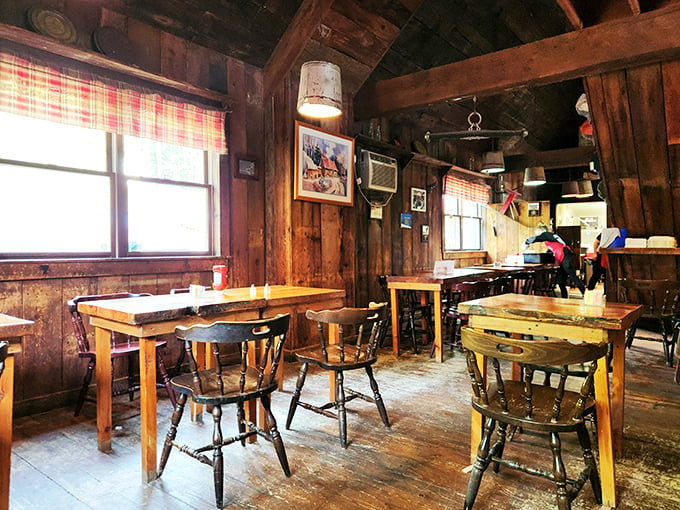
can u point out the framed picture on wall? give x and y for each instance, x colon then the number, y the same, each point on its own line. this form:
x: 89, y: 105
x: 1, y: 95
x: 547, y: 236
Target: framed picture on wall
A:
x: 246, y: 168
x: 418, y: 200
x: 324, y: 166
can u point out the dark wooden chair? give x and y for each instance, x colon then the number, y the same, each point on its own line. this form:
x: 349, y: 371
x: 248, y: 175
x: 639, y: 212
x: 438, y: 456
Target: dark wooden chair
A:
x: 253, y: 377
x: 4, y: 352
x: 521, y: 282
x: 545, y: 281
x: 661, y: 301
x: 357, y: 348
x: 459, y: 292
x: 122, y: 346
x: 531, y: 407
x: 412, y: 313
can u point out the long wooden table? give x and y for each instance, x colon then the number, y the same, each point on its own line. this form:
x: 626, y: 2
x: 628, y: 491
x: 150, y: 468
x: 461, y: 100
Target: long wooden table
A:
x: 568, y: 318
x: 426, y: 282
x: 11, y: 329
x: 147, y: 317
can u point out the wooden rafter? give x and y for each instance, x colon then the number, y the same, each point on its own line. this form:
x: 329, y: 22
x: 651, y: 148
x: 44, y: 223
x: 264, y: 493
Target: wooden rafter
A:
x: 572, y: 15
x: 291, y: 45
x: 647, y: 38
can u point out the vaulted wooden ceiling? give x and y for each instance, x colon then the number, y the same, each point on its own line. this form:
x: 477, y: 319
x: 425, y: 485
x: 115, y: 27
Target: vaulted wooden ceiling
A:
x: 416, y: 60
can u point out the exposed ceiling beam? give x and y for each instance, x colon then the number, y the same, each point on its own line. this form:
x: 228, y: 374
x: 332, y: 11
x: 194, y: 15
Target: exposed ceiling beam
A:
x: 561, y: 158
x: 649, y: 37
x: 570, y: 12
x: 307, y: 20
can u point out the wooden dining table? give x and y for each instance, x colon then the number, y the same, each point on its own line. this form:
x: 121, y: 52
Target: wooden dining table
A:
x: 424, y: 283
x: 148, y: 316
x: 568, y: 318
x: 12, y: 329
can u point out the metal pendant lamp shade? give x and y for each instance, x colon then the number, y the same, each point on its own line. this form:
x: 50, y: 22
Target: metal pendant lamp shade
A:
x: 570, y: 189
x: 492, y: 162
x: 585, y: 188
x: 320, y: 93
x: 534, y: 176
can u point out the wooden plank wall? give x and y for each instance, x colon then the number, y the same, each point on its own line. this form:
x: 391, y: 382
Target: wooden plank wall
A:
x: 48, y: 372
x: 634, y: 113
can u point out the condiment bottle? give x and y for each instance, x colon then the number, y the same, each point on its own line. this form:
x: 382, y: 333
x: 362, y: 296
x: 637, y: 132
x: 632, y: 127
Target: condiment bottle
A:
x: 219, y: 277
x: 253, y: 291
x: 267, y: 291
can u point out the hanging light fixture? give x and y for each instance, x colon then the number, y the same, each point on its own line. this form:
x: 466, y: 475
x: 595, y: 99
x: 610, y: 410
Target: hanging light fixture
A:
x: 585, y: 188
x: 570, y: 189
x: 492, y: 162
x: 320, y: 93
x: 534, y: 176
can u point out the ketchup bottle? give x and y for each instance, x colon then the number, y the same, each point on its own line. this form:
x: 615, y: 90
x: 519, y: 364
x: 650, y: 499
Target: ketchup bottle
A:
x: 219, y: 277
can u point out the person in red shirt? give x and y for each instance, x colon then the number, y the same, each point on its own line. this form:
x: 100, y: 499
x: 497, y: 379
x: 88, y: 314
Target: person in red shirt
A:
x: 563, y: 256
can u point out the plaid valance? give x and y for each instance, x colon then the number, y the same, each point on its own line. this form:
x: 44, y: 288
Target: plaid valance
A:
x: 460, y: 188
x: 81, y: 99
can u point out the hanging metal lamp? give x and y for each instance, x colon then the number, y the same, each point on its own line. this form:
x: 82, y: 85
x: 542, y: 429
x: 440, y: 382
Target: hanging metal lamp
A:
x: 320, y: 92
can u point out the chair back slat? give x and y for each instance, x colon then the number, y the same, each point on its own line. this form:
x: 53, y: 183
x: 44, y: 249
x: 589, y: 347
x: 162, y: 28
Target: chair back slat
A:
x: 267, y: 336
x: 659, y: 297
x: 357, y: 327
x: 79, y: 328
x: 502, y: 350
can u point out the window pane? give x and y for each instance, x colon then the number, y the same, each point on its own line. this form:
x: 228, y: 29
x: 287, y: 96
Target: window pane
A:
x: 450, y: 204
x: 167, y: 218
x: 469, y: 208
x: 48, y: 211
x: 451, y: 233
x: 49, y: 143
x: 147, y: 158
x: 471, y: 234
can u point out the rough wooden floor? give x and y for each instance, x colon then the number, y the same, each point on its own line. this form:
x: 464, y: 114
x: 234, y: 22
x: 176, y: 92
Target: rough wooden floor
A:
x: 416, y: 464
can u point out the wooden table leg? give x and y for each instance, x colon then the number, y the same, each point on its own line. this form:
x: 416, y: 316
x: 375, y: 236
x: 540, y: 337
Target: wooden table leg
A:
x: 618, y: 384
x: 438, y: 336
x: 103, y: 374
x: 148, y: 407
x: 394, y: 303
x: 6, y: 403
x: 604, y: 434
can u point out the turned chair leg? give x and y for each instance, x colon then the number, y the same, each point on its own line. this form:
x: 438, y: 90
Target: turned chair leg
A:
x: 377, y: 397
x: 86, y: 384
x: 559, y: 472
x: 218, y: 458
x: 481, y: 463
x: 276, y: 439
x: 340, y: 406
x: 166, y: 379
x: 172, y: 431
x: 296, y: 395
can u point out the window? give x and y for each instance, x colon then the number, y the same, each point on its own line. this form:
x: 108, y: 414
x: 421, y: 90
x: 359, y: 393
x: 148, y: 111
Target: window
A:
x: 463, y: 224
x: 67, y: 190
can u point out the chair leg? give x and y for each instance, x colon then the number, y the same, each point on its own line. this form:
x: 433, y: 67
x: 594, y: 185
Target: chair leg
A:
x: 559, y: 473
x: 86, y: 384
x: 240, y: 420
x: 130, y: 378
x: 500, y: 445
x: 296, y: 395
x: 172, y: 431
x: 165, y: 378
x: 481, y: 463
x: 589, y: 459
x: 377, y: 397
x: 340, y: 406
x: 630, y: 335
x: 276, y: 439
x: 218, y: 459
x: 412, y: 328
x: 667, y: 344
x: 180, y: 361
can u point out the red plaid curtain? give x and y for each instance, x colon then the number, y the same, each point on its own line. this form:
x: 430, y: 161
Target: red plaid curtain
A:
x: 73, y: 97
x: 464, y: 189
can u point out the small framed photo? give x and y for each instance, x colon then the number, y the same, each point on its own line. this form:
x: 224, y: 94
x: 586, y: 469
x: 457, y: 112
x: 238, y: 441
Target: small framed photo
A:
x: 246, y: 168
x: 324, y: 166
x: 418, y: 200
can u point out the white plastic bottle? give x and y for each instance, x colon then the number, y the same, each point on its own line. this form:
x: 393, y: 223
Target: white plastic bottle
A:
x: 253, y: 291
x: 267, y: 291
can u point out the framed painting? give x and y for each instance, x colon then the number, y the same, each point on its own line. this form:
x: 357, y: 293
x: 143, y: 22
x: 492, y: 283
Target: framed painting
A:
x: 418, y: 200
x: 246, y: 167
x: 324, y: 166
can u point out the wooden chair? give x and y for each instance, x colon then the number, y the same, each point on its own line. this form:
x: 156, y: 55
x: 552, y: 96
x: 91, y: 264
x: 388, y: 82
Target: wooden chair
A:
x: 122, y: 346
x: 545, y: 281
x: 661, y: 300
x: 260, y: 345
x: 521, y: 282
x: 531, y: 407
x: 459, y: 292
x: 356, y: 348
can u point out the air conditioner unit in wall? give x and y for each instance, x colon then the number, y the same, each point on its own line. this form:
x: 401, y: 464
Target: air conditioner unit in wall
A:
x: 378, y: 172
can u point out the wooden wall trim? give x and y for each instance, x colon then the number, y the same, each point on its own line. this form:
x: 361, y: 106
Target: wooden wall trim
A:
x: 72, y: 268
